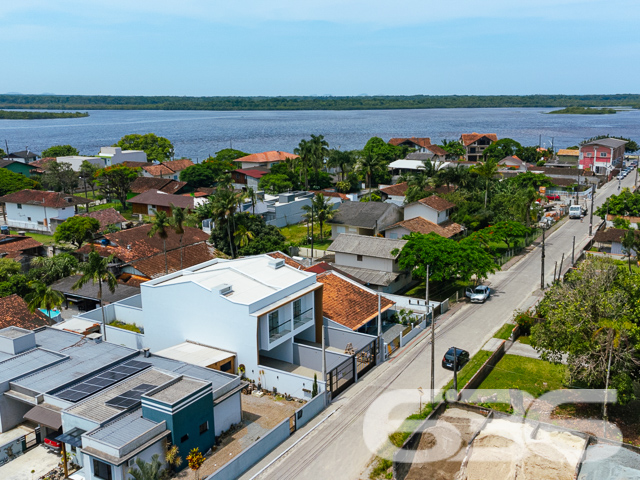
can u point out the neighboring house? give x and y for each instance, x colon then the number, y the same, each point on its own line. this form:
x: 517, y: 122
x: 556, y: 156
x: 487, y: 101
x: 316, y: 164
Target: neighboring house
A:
x: 370, y: 260
x: 116, y: 155
x: 566, y: 176
x: 364, y: 218
x: 423, y: 226
x: 39, y: 211
x: 39, y: 165
x: 567, y: 157
x: 248, y: 177
x: 109, y: 404
x: 264, y: 159
x: 433, y: 208
x: 350, y: 304
x: 87, y: 298
x: 152, y: 201
x: 106, y: 217
x: 421, y: 145
x: 323, y: 267
x: 476, y: 143
x: 513, y: 163
x: 287, y: 259
x: 285, y: 209
x: 396, y: 193
x: 24, y: 156
x: 14, y: 312
x: 76, y: 161
x: 610, y: 240
x: 18, y: 167
x: 404, y: 166
x: 138, y: 257
x: 20, y: 248
x: 169, y: 169
x: 165, y: 185
x: 602, y: 156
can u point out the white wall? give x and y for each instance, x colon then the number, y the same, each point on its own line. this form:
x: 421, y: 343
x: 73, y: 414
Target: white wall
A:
x: 227, y: 413
x: 372, y: 263
x: 396, y: 233
x: 29, y: 215
x: 419, y: 210
x: 76, y: 161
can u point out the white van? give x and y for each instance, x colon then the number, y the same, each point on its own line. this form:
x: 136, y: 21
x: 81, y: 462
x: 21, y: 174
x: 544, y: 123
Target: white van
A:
x: 575, y: 211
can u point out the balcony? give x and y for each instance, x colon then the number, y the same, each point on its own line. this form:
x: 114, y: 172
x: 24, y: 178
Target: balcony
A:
x: 280, y: 330
x: 303, y: 318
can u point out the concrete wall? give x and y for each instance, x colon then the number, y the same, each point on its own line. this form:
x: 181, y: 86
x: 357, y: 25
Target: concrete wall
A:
x: 286, y: 382
x: 372, y: 263
x: 130, y: 339
x: 29, y: 215
x: 10, y: 450
x: 396, y: 233
x: 311, y: 357
x: 228, y: 412
x: 339, y: 337
x: 11, y: 411
x: 419, y: 210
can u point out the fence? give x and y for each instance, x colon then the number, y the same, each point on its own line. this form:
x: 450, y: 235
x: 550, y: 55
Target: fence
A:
x: 485, y: 369
x: 517, y: 248
x: 266, y: 444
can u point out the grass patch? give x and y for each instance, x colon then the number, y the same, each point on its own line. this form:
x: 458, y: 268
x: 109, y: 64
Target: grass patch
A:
x: 45, y: 239
x: 505, y: 331
x: 298, y: 234
x: 469, y: 370
x: 526, y: 339
x: 438, y: 291
x: 132, y: 327
x: 380, y: 470
x: 625, y: 263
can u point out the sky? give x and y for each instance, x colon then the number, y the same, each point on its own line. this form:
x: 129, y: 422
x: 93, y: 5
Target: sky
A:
x: 328, y: 47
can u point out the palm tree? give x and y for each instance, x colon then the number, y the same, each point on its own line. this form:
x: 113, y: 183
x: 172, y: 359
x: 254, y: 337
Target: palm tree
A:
x: 159, y: 226
x: 629, y: 244
x: 243, y: 236
x: 305, y: 151
x: 253, y: 197
x: 224, y: 207
x: 173, y: 458
x: 44, y: 297
x: 146, y: 470
x: 177, y: 221
x: 323, y: 210
x: 344, y: 160
x: 487, y: 170
x: 56, y: 267
x: 320, y: 151
x: 370, y: 164
x: 96, y: 270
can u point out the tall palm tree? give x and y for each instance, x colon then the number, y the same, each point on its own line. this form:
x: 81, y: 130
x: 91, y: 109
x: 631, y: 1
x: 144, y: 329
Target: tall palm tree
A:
x: 242, y: 236
x: 56, y: 267
x: 160, y: 226
x: 177, y: 221
x: 369, y: 164
x: 224, y: 208
x: 323, y: 210
x: 344, y: 160
x: 487, y: 170
x: 320, y: 151
x: 253, y: 198
x: 96, y: 270
x: 44, y: 297
x: 305, y: 152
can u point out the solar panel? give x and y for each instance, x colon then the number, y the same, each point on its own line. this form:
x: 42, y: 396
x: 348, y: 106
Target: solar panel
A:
x: 131, y: 397
x: 104, y: 380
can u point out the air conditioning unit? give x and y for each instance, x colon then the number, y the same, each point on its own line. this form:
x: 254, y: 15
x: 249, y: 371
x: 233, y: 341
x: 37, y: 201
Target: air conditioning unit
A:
x: 223, y: 289
x: 276, y: 263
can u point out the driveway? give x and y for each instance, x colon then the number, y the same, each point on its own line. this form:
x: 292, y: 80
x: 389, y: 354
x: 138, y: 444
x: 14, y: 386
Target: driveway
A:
x: 336, y: 449
x: 40, y: 459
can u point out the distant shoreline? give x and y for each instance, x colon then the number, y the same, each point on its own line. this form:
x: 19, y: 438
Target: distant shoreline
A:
x: 20, y: 115
x: 583, y: 111
x: 379, y: 102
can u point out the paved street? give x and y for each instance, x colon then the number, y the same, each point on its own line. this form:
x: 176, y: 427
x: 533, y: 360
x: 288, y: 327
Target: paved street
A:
x: 336, y: 449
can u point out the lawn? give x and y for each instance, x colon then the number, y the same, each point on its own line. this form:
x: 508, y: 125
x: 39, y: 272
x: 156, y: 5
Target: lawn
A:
x: 505, y: 331
x: 298, y: 234
x: 44, y: 239
x: 470, y: 369
x: 526, y: 339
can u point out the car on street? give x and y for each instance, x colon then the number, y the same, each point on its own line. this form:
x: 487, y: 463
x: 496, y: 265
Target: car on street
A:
x: 553, y: 197
x: 478, y: 294
x: 460, y: 356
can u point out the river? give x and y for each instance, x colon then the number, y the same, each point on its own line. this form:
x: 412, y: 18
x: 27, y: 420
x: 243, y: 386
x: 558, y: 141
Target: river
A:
x: 198, y: 134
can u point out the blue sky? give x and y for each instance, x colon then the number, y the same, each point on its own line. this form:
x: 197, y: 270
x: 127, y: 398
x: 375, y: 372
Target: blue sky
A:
x: 309, y: 47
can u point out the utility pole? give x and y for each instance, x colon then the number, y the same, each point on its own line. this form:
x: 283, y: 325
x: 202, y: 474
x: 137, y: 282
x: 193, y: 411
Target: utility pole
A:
x: 573, y: 250
x: 561, y: 262
x: 324, y: 362
x: 380, y: 352
x: 433, y: 341
x: 542, y: 261
x: 311, y: 232
x: 555, y: 269
x: 593, y: 194
x: 455, y: 371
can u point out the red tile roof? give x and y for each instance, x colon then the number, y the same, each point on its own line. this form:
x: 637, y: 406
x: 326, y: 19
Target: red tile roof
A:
x: 397, y: 190
x: 437, y: 203
x: 42, y: 162
x: 419, y: 141
x: 323, y: 267
x: 14, y: 246
x: 437, y: 150
x: 469, y: 138
x: 106, y: 217
x: 266, y: 157
x: 343, y: 196
x: 253, y: 172
x: 424, y: 226
x: 155, y: 197
x: 347, y: 303
x: 287, y: 259
x: 14, y: 312
x: 154, y: 266
x: 166, y: 185
x: 43, y: 199
x: 168, y: 168
x: 131, y: 164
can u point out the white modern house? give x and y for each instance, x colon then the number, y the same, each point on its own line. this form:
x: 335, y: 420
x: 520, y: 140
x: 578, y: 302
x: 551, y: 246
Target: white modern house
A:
x: 115, y: 155
x: 434, y: 208
x: 39, y: 211
x: 286, y: 208
x: 76, y: 161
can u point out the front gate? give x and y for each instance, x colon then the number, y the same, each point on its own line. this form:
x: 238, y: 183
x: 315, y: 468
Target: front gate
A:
x: 341, y: 377
x: 366, y: 358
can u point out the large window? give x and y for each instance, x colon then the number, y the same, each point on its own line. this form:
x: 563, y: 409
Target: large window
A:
x: 101, y: 470
x: 273, y: 320
x: 297, y: 307
x: 204, y: 427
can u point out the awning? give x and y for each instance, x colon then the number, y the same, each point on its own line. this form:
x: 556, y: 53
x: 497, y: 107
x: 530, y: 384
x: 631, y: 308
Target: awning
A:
x: 72, y: 437
x: 45, y: 416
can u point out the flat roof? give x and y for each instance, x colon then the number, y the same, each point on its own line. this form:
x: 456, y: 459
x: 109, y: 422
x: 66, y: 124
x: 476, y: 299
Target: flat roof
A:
x: 14, y: 332
x: 195, y: 354
x: 124, y: 430
x: 178, y: 390
x: 25, y: 363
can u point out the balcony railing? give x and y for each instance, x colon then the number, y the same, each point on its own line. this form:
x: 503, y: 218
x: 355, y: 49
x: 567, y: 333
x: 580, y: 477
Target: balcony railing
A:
x: 279, y: 330
x: 302, y: 318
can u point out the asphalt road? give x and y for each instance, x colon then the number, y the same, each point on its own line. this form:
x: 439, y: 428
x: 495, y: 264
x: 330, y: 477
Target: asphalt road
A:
x: 336, y: 448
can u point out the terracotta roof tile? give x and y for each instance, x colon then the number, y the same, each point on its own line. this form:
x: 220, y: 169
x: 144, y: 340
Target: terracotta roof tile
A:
x: 43, y: 199
x: 178, y: 165
x: 154, y: 266
x: 14, y: 312
x: 155, y: 197
x: 131, y: 164
x: 419, y: 141
x: 266, y: 157
x: 323, y: 267
x: 469, y: 138
x: 424, y: 226
x: 343, y: 196
x: 42, y: 162
x: 158, y: 170
x: 287, y: 259
x: 166, y: 185
x: 349, y: 304
x: 256, y: 172
x: 106, y: 217
x: 566, y: 151
x: 17, y: 243
x: 612, y: 235
x: 397, y: 190
x: 437, y: 203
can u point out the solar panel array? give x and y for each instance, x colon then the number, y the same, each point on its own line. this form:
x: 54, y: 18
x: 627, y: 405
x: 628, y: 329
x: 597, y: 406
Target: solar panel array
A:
x: 102, y: 381
x: 130, y: 398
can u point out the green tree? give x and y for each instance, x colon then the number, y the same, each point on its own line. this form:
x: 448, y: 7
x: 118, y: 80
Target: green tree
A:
x: 386, y: 152
x: 115, y: 181
x: 455, y: 150
x: 322, y: 211
x: 15, y: 285
x: 343, y: 160
x: 173, y: 458
x: 88, y: 173
x: 319, y: 154
x: 630, y: 244
x: 160, y: 226
x: 147, y: 470
x: 505, y: 147
x: 506, y: 231
x: 51, y: 269
x: 487, y: 170
x: 243, y: 236
x: 626, y: 203
x: 253, y: 198
x: 43, y: 297
x: 179, y: 218
x: 227, y: 155
x: 305, y: 151
x: 529, y: 154
x: 2, y: 153
x: 314, y: 387
x: 96, y: 270
x: 77, y: 230
x: 275, y: 183
x: 8, y: 268
x: 206, y: 174
x: 224, y: 207
x: 157, y: 148
x: 59, y: 151
x: 369, y: 164
x: 59, y: 177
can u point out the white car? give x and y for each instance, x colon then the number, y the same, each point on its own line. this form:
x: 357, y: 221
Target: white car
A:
x: 478, y: 294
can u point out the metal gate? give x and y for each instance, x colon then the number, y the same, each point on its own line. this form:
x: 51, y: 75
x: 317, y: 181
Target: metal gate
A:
x: 30, y: 439
x: 339, y: 378
x: 292, y: 424
x: 366, y: 358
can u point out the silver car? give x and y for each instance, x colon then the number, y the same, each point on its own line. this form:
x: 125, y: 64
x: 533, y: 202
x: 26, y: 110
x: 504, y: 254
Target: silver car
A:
x: 478, y: 294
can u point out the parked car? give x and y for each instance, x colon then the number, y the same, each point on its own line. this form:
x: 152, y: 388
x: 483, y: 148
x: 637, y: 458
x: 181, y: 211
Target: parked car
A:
x: 553, y: 197
x: 478, y: 294
x: 51, y: 443
x: 461, y: 358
